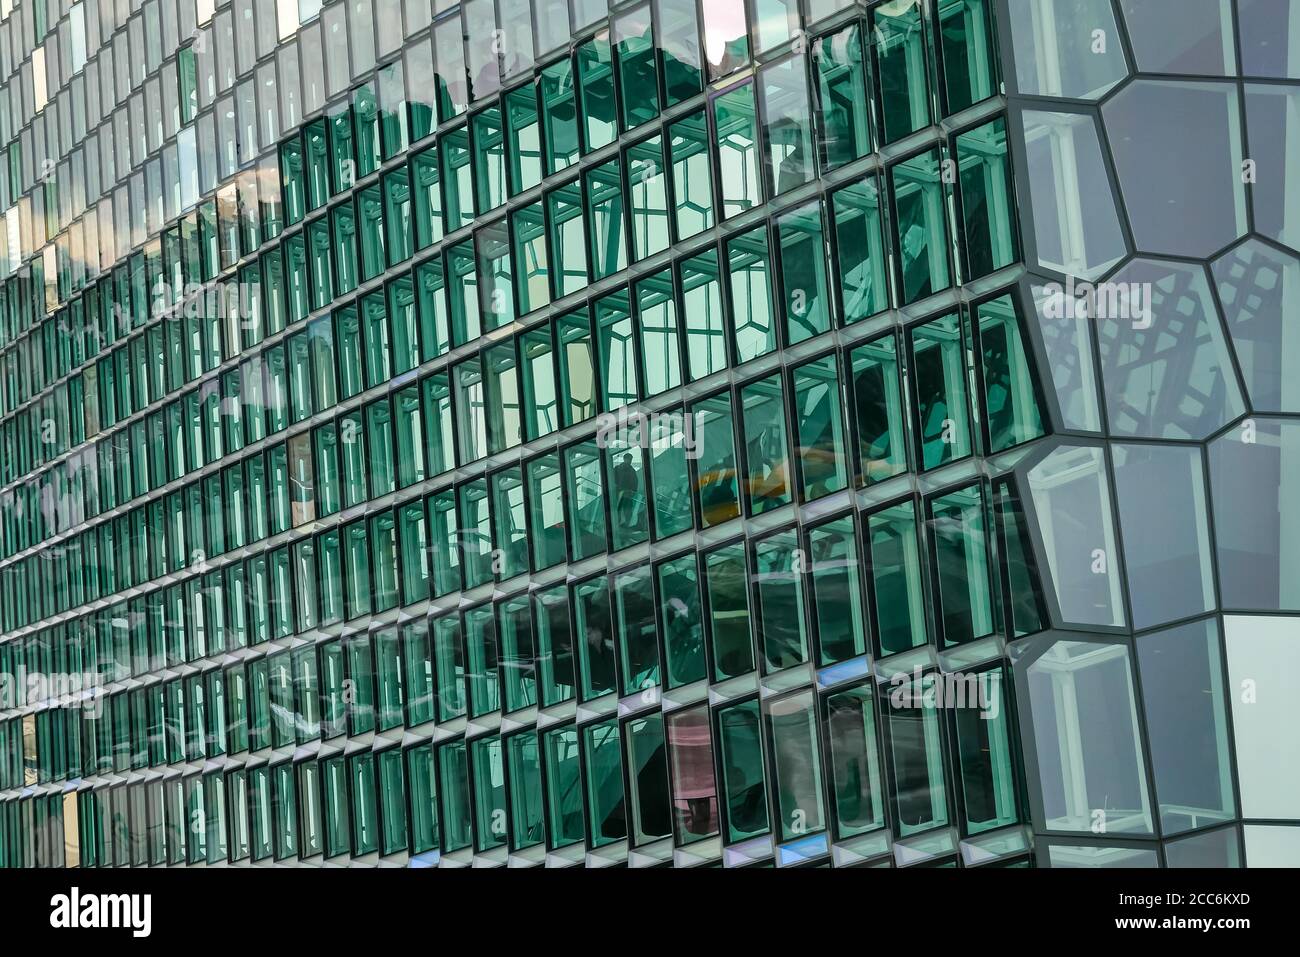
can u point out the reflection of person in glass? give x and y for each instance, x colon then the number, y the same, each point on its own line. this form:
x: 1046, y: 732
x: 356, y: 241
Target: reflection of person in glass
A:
x: 625, y: 489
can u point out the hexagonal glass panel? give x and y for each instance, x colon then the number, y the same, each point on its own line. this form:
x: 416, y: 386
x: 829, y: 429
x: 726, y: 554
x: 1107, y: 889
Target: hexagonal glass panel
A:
x: 1178, y: 158
x: 1258, y: 286
x: 1162, y: 510
x: 1164, y: 358
x: 1257, y: 515
x: 1181, y: 36
x: 1068, y: 48
x: 1269, y: 30
x: 1065, y: 165
x: 1077, y: 696
x: 1072, y: 503
x: 1067, y: 342
x: 1273, y: 122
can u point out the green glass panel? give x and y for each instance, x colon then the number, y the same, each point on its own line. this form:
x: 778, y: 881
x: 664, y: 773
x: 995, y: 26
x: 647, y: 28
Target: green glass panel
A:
x: 861, y: 257
x: 509, y: 528
x: 879, y: 415
x: 577, y: 366
x: 803, y: 273
x: 554, y: 645
x: 896, y: 578
x: 438, y: 446
x: 392, y: 791
x: 634, y: 624
x: 546, y: 525
x: 417, y: 669
x: 595, y: 71
x: 837, y: 590
x: 515, y: 626
x: 495, y: 275
x: 796, y: 759
x: 987, y: 199
x: 1006, y: 376
x: 624, y: 458
x: 457, y: 179
x: 617, y: 344
x: 603, y: 779
x: 767, y: 456
x: 716, y: 466
x: 752, y: 308
x: 343, y: 225
x: 939, y: 376
x: 585, y: 494
x: 680, y: 612
x: 670, y: 447
x: 489, y: 793
x: 370, y: 218
x: 426, y: 197
x: 679, y: 49
x: 592, y: 622
x: 706, y: 334
x: 524, y: 772
x: 916, y: 750
x: 489, y: 163
x: 957, y: 530
x: 688, y: 145
x: 983, y: 744
x: 855, y: 762
x: 744, y: 777
x: 475, y: 532
x: 523, y: 139
x: 899, y: 36
x: 787, y: 123
x: 970, y: 66
x: 647, y: 767
x: 819, y: 429
x: 424, y: 800
x: 648, y: 185
x: 564, y: 798
x: 737, y: 138
x: 920, y: 226
x: 453, y: 789
x: 780, y: 595
x: 568, y: 240
x: 449, y: 667
x: 844, y: 130
x: 531, y: 264
x: 607, y: 236
x: 559, y: 115
x: 397, y: 216
x: 431, y: 302
x: 657, y: 320
x: 638, y: 79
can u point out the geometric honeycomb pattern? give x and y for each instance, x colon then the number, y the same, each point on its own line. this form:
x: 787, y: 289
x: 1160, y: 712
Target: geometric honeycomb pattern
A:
x: 1161, y: 168
x: 650, y: 433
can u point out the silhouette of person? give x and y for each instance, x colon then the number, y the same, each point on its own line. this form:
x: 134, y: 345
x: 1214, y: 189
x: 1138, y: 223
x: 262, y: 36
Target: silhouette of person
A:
x: 625, y: 487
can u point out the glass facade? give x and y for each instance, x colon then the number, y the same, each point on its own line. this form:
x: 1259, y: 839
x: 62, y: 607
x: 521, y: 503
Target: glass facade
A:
x: 647, y: 432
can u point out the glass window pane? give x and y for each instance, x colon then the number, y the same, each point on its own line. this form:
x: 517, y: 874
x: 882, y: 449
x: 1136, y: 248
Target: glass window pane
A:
x: 737, y: 136
x: 879, y: 416
x: 796, y: 757
x: 779, y: 587
x: 744, y: 777
x: 855, y: 762
x: 1183, y: 700
x: 1077, y: 697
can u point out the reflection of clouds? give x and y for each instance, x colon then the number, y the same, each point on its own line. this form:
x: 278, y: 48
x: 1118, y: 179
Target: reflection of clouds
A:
x: 724, y: 24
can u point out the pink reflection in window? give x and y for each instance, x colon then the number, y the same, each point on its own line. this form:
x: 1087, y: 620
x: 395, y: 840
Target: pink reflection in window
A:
x: 695, y: 790
x: 726, y: 37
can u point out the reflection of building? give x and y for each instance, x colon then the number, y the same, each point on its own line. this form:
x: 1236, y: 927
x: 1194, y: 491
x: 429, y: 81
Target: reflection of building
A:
x: 310, y: 326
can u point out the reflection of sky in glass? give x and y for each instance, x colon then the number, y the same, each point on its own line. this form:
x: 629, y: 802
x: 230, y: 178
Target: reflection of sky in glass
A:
x: 724, y: 24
